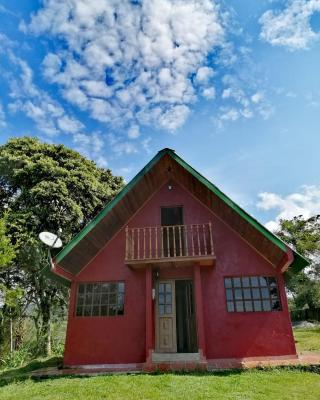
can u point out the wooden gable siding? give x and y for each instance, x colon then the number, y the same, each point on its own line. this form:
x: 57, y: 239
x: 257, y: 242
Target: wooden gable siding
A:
x: 165, y: 169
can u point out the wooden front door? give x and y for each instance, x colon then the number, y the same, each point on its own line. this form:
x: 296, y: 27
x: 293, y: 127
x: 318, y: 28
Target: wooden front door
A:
x: 166, y: 336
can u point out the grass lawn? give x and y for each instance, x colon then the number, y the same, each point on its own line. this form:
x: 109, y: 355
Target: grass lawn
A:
x: 272, y: 384
x: 307, y: 339
x: 281, y: 383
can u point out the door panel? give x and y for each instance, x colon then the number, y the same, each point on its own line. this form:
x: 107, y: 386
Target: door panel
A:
x: 173, y: 233
x: 185, y: 316
x: 166, y: 341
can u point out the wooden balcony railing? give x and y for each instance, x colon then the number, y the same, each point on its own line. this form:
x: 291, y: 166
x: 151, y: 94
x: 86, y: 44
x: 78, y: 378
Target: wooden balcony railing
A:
x: 168, y: 242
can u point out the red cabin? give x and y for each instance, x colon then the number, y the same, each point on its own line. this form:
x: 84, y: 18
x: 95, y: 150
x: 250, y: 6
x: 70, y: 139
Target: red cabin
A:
x: 173, y: 274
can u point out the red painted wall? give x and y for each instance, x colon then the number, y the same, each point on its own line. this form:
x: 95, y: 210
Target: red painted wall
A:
x: 121, y: 339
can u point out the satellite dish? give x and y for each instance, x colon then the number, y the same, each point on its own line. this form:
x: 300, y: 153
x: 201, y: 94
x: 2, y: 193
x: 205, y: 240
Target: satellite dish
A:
x: 50, y: 239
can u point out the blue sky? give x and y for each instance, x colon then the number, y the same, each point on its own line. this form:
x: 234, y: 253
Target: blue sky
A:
x: 232, y: 86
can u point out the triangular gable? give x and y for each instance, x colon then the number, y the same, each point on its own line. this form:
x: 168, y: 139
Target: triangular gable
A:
x: 164, y: 166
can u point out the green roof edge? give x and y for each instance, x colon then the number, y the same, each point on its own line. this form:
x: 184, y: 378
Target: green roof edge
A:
x: 299, y: 261
x: 47, y: 271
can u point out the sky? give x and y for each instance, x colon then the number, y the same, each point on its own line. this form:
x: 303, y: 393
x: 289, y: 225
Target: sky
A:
x: 232, y: 86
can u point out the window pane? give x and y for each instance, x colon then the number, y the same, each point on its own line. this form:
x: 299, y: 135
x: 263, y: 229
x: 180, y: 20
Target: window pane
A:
x: 112, y: 309
x: 96, y: 298
x: 97, y: 288
x: 248, y: 305
x: 266, y: 305
x: 276, y: 305
x: 81, y: 288
x: 104, y: 287
x: 121, y: 287
x: 80, y: 300
x: 230, y: 306
x: 256, y: 293
x: 247, y: 293
x: 236, y: 282
x: 112, y: 298
x: 168, y: 287
x: 79, y: 311
x: 265, y: 293
x: 113, y: 287
x: 239, y: 306
x: 95, y: 310
x: 245, y: 282
x: 229, y: 294
x: 272, y: 282
x: 88, y: 299
x: 228, y: 282
x: 168, y: 298
x: 89, y: 288
x: 254, y: 281
x: 161, y: 288
x: 87, y: 311
x: 168, y: 309
x: 238, y: 294
x: 263, y: 281
x: 161, y: 309
x: 257, y: 305
x: 104, y: 298
x: 120, y: 299
x: 274, y: 292
x: 104, y: 310
x: 120, y: 310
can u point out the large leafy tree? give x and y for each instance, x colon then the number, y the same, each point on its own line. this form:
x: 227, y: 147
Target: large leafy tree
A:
x: 47, y: 187
x: 304, y: 236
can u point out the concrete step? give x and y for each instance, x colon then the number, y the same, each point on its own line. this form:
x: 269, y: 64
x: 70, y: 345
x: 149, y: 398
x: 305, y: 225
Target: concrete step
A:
x: 175, y: 357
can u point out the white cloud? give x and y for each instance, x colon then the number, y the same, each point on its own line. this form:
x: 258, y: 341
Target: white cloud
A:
x: 120, y: 146
x: 305, y: 203
x: 204, y: 74
x: 92, y: 146
x: 2, y: 117
x: 290, y: 27
x: 134, y: 132
x: 131, y: 62
x: 69, y: 124
x: 48, y: 115
x: 241, y: 98
x: 209, y: 93
x: 257, y: 97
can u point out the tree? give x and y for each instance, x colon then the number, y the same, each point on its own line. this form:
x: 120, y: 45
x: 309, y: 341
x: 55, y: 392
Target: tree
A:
x: 7, y: 252
x: 304, y: 236
x: 47, y: 187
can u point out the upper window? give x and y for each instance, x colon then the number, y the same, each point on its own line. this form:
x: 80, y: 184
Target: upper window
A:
x: 100, y: 299
x: 252, y: 293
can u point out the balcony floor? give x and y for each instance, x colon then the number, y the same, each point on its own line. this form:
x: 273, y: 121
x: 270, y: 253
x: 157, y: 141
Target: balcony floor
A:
x: 186, y: 261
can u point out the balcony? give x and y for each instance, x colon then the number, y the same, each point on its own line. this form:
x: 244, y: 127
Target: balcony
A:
x: 180, y: 245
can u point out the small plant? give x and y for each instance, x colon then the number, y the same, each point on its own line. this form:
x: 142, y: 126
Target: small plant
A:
x: 17, y: 358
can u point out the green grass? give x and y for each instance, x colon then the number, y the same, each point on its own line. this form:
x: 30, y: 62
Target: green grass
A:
x: 283, y: 383
x: 273, y: 384
x: 307, y: 339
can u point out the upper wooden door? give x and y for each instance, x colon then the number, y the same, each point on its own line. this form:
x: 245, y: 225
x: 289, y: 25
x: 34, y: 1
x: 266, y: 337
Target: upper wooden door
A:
x: 173, y: 236
x: 166, y: 337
